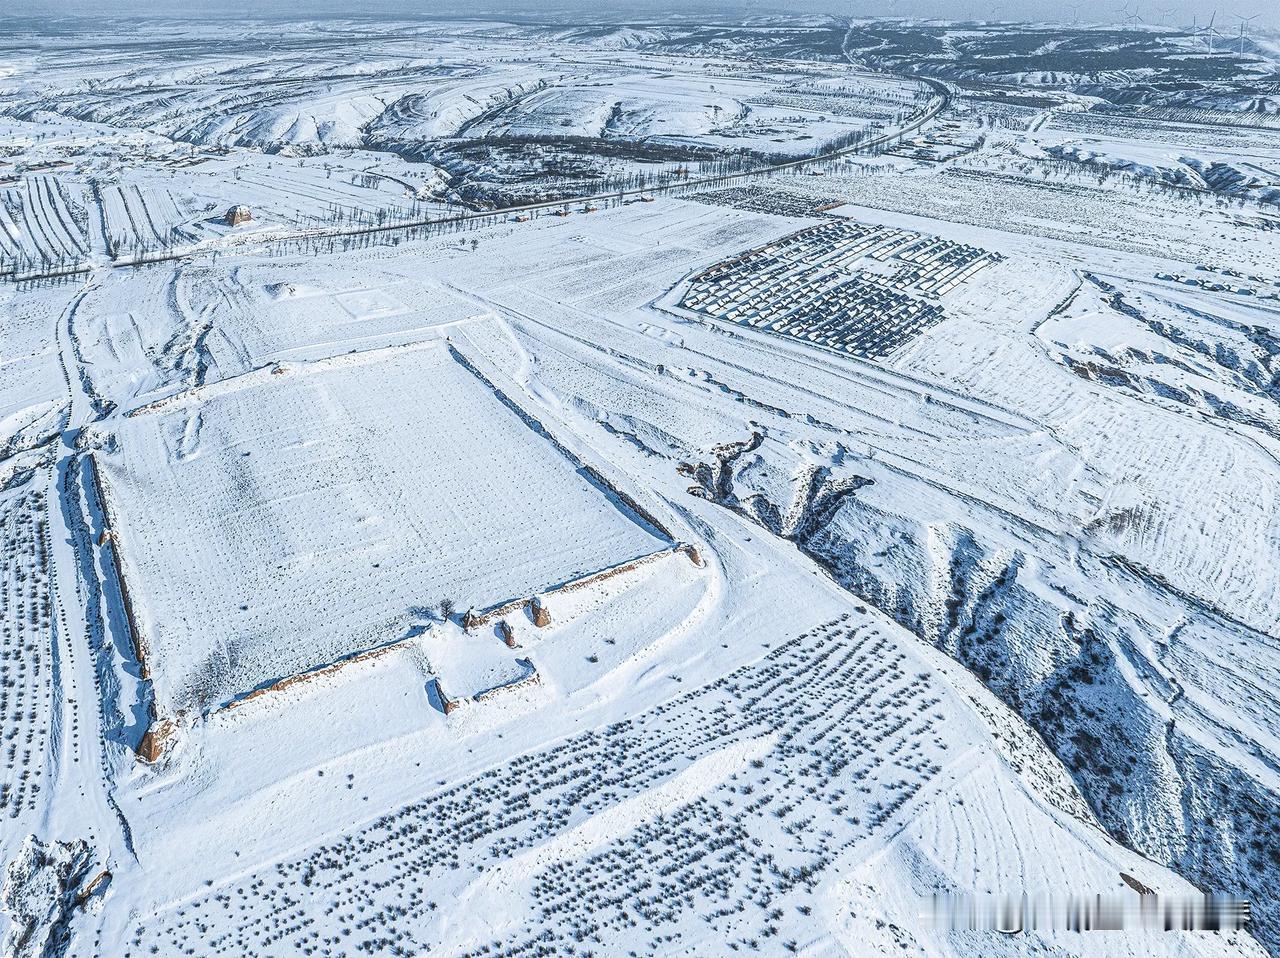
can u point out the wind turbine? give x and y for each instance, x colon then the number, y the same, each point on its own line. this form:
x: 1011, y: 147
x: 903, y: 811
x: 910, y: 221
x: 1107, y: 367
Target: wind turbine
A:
x: 1075, y: 13
x: 1123, y: 13
x: 1208, y: 33
x: 1244, y: 21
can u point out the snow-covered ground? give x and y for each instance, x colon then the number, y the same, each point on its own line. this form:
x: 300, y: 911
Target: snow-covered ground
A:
x: 814, y: 546
x: 332, y: 124
x: 442, y: 494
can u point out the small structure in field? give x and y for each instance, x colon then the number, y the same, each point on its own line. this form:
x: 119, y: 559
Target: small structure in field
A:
x: 471, y: 621
x: 530, y: 677
x: 153, y: 743
x: 541, y: 617
x: 99, y: 883
x: 507, y: 633
x: 239, y: 214
x: 447, y: 705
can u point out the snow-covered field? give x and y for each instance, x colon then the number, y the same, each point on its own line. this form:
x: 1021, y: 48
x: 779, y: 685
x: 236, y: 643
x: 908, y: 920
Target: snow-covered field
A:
x: 726, y: 569
x: 331, y: 126
x: 443, y: 493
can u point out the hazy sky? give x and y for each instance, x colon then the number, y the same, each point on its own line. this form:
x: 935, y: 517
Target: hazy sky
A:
x: 1171, y: 12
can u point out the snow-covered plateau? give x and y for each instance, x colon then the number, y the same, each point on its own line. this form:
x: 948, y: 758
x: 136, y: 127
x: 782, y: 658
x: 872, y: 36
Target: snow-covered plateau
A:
x: 473, y: 488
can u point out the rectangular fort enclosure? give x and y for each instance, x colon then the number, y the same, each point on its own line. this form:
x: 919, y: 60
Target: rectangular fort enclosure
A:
x: 332, y: 505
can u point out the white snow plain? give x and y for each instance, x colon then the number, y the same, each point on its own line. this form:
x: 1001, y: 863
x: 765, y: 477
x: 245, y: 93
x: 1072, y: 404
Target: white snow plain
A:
x: 842, y: 614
